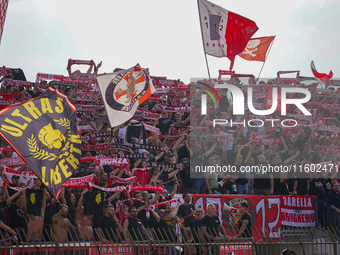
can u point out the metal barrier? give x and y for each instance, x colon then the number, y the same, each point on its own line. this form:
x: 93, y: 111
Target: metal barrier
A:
x: 165, y: 241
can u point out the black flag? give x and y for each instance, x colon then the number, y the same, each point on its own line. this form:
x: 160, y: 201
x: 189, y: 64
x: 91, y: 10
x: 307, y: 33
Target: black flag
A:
x: 93, y: 203
x: 43, y: 132
x: 34, y: 201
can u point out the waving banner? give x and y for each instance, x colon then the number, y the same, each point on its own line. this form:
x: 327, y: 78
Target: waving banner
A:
x: 322, y: 77
x: 44, y: 134
x: 257, y: 48
x: 16, y: 161
x: 123, y: 92
x: 9, y: 171
x: 224, y: 33
x: 265, y: 212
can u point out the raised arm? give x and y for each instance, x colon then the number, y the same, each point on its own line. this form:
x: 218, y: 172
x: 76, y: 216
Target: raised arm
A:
x: 252, y: 184
x: 159, y: 155
x: 15, y: 195
x: 43, y: 206
x: 80, y: 204
x: 138, y: 161
x: 187, y: 147
x: 155, y: 215
x: 6, y: 191
x: 62, y: 196
x: 69, y: 69
x: 300, y: 131
x: 115, y: 195
x: 186, y: 121
x: 288, y: 160
x: 238, y: 134
x: 174, y: 190
x: 248, y: 155
x: 173, y: 173
x: 96, y: 69
x: 226, y: 145
x: 155, y: 199
x: 178, y: 142
x: 285, y: 148
x: 211, y: 150
x: 89, y: 70
x: 206, y: 181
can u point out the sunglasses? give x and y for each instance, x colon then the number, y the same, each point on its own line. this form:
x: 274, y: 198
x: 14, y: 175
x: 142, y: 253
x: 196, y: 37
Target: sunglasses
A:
x: 199, y: 211
x: 133, y: 210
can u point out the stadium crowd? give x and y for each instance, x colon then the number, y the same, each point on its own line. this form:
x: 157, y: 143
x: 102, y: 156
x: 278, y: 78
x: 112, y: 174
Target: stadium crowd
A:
x: 157, y: 146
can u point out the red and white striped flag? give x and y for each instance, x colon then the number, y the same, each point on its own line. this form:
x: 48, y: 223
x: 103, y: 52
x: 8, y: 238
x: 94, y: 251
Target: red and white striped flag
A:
x: 3, y: 10
x: 225, y: 34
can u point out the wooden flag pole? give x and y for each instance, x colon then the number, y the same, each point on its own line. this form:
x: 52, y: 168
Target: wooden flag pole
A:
x: 205, y: 54
x: 265, y: 59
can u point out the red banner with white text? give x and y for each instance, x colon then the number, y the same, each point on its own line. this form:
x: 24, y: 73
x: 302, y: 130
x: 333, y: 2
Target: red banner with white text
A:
x: 267, y: 212
x: 263, y: 210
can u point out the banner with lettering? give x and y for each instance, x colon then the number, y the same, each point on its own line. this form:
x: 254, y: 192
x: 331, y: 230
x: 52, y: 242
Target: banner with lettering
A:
x: 151, y: 115
x: 234, y: 248
x: 15, y: 161
x: 44, y: 134
x: 297, y: 211
x: 264, y: 211
x: 267, y: 212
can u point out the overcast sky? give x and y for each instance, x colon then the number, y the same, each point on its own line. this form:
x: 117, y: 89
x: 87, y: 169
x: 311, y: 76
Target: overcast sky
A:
x: 165, y: 36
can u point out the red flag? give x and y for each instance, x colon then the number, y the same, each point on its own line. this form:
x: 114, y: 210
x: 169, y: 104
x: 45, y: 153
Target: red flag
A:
x: 256, y: 49
x: 225, y: 34
x: 322, y: 77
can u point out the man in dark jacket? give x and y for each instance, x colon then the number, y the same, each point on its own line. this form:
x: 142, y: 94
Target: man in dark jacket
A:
x: 333, y: 201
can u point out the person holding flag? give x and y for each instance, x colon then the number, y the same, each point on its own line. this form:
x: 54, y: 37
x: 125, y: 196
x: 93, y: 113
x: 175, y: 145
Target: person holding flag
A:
x: 18, y: 218
x: 83, y: 222
x: 35, y: 223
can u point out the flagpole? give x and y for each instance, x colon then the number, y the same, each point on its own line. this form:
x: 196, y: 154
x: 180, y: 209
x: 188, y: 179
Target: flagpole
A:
x: 265, y: 59
x: 205, y: 54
